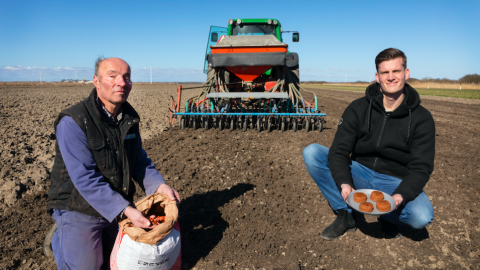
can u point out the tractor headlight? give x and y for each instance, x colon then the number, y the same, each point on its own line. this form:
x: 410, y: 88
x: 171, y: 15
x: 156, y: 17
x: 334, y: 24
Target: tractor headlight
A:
x: 239, y: 21
x: 275, y: 22
x: 269, y: 21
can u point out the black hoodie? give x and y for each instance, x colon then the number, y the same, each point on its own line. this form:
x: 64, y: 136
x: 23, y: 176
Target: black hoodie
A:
x: 401, y: 144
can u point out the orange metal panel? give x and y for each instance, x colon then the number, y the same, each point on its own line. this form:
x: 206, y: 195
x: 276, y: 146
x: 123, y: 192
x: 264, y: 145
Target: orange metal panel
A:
x: 269, y: 85
x: 248, y: 74
x: 249, y: 49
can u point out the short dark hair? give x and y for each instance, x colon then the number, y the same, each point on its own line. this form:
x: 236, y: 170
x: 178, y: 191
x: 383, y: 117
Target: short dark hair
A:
x: 390, y: 54
x: 99, y: 61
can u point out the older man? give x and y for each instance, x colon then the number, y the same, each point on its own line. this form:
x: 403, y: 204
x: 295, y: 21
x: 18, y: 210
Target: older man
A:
x: 98, y: 153
x: 385, y: 141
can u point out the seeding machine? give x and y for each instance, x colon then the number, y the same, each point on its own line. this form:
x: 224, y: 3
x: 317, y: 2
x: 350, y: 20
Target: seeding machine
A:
x: 252, y: 82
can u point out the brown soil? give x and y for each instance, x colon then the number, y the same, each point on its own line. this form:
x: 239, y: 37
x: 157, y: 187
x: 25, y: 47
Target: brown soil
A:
x: 248, y: 201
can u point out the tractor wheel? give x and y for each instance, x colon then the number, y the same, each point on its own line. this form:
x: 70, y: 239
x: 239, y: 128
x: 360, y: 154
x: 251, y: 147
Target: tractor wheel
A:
x: 307, y: 124
x: 269, y: 125
x: 320, y: 124
x: 283, y: 124
x: 245, y: 124
x: 252, y: 125
x: 259, y: 126
x: 296, y: 71
x: 221, y: 123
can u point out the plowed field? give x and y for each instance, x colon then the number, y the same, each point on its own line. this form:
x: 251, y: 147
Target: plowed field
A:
x: 248, y: 201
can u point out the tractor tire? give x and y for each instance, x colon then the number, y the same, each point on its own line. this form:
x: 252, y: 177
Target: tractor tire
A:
x: 269, y: 125
x: 259, y: 126
x: 296, y: 72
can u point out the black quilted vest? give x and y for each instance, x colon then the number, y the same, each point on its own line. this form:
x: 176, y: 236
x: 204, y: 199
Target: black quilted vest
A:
x: 114, y: 155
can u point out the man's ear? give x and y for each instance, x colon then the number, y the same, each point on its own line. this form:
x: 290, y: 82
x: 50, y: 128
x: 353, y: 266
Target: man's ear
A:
x: 407, y: 74
x: 96, y: 81
x: 376, y: 77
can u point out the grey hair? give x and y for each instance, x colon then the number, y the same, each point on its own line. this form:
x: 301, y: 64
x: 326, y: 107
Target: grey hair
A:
x: 99, y: 61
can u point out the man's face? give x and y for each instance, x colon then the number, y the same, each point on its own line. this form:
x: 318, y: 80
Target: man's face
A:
x: 114, y: 84
x: 392, y: 76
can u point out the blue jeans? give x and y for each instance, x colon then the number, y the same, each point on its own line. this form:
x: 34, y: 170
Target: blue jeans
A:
x: 82, y: 241
x: 417, y: 213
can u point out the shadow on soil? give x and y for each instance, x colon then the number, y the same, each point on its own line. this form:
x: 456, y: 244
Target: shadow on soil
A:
x: 375, y: 230
x: 201, y: 222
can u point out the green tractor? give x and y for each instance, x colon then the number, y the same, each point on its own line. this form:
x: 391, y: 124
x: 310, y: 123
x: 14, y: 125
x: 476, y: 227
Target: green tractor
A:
x: 251, y: 35
x: 253, y: 82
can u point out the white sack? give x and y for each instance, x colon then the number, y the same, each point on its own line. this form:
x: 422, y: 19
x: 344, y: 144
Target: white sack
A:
x: 135, y: 255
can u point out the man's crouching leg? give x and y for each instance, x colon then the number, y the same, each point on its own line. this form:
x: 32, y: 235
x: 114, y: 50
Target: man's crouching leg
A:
x: 77, y: 243
x: 316, y: 161
x: 417, y: 213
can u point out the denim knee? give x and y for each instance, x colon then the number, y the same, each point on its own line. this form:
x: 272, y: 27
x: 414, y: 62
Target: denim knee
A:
x: 314, y: 150
x: 421, y: 220
x: 420, y: 217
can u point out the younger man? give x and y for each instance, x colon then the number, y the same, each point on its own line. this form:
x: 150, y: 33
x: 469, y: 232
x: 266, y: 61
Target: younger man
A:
x: 385, y: 141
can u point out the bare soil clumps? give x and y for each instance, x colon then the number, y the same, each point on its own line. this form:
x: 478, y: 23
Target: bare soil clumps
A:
x: 248, y: 201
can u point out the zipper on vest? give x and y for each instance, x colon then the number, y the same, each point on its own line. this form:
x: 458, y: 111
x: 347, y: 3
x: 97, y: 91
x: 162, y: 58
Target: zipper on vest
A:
x: 379, y: 138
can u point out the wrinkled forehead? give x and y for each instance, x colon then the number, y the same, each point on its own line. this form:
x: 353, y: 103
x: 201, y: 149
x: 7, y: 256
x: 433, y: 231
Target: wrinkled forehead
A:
x: 115, y: 65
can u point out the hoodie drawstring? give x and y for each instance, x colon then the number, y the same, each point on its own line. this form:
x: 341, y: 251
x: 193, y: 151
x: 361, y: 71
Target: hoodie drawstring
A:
x: 369, y: 110
x: 409, y: 120
x: 409, y: 123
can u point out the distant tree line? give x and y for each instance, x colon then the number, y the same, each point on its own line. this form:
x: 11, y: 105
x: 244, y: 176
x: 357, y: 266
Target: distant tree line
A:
x: 467, y: 79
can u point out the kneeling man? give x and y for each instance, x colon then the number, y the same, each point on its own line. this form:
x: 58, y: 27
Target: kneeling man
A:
x: 385, y: 141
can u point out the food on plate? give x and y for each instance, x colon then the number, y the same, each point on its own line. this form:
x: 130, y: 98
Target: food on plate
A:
x: 376, y: 196
x: 366, y: 207
x: 359, y: 197
x: 383, y: 206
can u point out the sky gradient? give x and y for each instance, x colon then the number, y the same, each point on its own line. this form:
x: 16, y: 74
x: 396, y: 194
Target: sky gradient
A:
x: 338, y: 39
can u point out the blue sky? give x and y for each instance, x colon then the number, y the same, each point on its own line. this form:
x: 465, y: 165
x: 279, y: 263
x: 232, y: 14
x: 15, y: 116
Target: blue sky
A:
x: 337, y: 38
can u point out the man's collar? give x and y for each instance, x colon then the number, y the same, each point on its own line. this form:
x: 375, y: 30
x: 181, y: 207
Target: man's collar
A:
x: 108, y: 114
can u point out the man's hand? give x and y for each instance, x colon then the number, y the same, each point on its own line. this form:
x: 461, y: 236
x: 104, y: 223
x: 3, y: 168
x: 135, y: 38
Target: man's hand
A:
x: 398, y: 200
x: 346, y: 189
x: 170, y: 192
x: 137, y: 218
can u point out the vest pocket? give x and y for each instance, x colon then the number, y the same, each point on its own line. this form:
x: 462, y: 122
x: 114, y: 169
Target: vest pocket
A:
x: 99, y: 151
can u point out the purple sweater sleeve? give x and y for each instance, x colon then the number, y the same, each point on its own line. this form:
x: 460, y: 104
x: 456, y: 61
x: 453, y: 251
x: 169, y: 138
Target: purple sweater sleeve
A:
x: 81, y: 168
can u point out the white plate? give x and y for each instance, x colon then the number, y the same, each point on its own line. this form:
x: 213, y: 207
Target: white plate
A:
x: 367, y: 192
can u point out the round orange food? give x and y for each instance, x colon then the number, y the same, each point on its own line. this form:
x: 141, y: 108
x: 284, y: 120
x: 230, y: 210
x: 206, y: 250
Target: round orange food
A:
x: 366, y: 207
x: 383, y: 206
x: 376, y: 196
x: 359, y: 197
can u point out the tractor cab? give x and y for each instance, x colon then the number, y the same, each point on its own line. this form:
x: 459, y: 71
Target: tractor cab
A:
x: 246, y: 27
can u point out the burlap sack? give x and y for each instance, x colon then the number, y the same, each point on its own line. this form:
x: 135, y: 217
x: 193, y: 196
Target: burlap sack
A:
x: 155, y: 204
